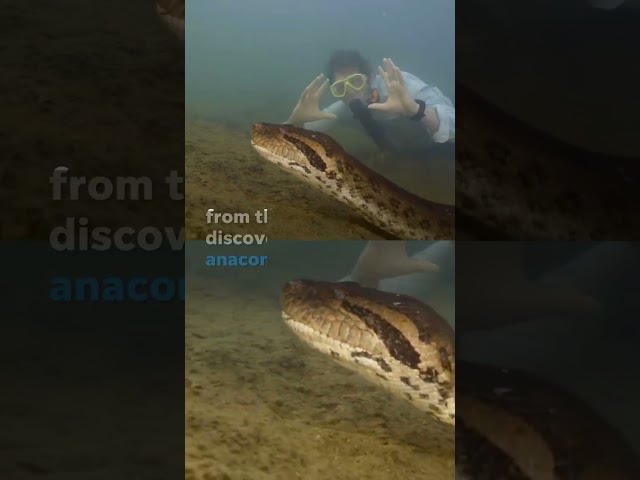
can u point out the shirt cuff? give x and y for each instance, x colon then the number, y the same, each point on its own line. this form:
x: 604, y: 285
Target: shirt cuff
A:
x: 444, y: 130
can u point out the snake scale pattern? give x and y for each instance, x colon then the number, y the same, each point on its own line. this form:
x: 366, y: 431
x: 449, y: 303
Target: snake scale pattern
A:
x: 508, y: 425
x: 319, y: 160
x: 512, y: 182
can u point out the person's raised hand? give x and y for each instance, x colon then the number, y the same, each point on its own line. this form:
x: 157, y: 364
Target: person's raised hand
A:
x: 399, y: 100
x: 308, y: 107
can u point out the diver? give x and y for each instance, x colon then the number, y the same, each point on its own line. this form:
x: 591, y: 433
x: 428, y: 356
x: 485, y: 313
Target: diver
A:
x: 374, y: 100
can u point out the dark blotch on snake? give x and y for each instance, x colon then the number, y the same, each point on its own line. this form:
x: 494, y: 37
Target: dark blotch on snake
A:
x: 314, y: 159
x: 408, y: 212
x: 331, y: 148
x: 435, y: 409
x: 397, y: 345
x: 444, y: 393
x: 361, y: 354
x: 430, y: 375
x: 408, y: 383
x: 424, y: 336
x: 383, y: 365
x: 444, y: 358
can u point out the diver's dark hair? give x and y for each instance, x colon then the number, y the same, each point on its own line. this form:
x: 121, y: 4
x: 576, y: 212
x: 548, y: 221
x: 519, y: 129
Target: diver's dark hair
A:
x: 347, y: 59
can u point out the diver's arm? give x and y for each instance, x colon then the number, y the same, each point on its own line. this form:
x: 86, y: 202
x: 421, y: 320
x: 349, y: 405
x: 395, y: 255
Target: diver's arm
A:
x: 440, y: 122
x: 431, y: 119
x: 439, y: 115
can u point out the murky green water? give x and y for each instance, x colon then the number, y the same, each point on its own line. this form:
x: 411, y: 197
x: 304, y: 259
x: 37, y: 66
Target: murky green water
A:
x: 261, y: 405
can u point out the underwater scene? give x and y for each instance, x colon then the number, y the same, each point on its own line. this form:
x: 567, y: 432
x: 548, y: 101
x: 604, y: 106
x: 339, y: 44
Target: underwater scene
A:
x: 251, y: 62
x: 262, y: 404
x: 544, y: 350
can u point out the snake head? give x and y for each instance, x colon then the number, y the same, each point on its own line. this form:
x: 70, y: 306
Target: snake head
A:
x: 377, y: 322
x: 391, y: 339
x: 312, y: 156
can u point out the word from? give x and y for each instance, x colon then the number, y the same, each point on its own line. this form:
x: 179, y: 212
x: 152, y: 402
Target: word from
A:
x: 217, y: 217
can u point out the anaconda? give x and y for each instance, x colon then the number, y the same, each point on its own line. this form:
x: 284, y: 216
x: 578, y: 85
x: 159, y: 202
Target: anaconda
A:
x: 508, y: 425
x: 319, y: 160
x: 512, y: 182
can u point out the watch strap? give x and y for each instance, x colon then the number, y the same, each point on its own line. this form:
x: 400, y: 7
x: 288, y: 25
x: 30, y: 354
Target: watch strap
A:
x: 421, y: 109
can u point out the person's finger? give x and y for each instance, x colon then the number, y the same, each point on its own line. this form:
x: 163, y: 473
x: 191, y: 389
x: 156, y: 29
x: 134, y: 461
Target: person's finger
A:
x: 393, y: 65
x: 317, y: 82
x: 322, y: 88
x: 310, y: 89
x: 327, y: 115
x: 427, y: 266
x: 305, y: 93
x: 319, y: 79
x: 394, y: 72
x: 389, y: 67
x: 379, y: 106
x: 384, y: 75
x: 399, y: 76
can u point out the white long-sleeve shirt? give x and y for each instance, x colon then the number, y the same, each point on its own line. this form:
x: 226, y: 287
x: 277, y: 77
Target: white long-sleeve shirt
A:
x: 432, y: 97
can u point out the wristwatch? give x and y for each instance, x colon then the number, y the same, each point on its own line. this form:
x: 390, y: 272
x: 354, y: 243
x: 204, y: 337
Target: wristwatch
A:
x: 420, y: 114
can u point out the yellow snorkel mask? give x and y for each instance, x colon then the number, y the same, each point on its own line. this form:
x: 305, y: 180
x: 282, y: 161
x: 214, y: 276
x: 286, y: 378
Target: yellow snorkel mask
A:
x: 357, y: 81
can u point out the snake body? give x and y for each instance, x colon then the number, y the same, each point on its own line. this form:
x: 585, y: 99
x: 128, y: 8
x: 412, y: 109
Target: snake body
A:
x: 515, y: 182
x: 512, y: 182
x: 508, y: 425
x: 320, y: 161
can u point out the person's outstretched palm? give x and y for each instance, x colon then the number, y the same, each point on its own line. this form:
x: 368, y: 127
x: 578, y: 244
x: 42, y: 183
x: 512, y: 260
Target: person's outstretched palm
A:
x: 308, y: 107
x: 399, y: 100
